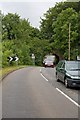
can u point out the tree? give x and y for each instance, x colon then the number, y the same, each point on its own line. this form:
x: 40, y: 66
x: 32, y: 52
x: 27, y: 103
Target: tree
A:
x: 7, y: 51
x: 39, y: 48
x: 51, y: 16
x: 61, y: 31
x: 24, y: 30
x: 21, y: 39
x: 10, y: 24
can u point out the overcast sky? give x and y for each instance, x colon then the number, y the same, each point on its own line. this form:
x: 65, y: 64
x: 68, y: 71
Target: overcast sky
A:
x: 32, y: 9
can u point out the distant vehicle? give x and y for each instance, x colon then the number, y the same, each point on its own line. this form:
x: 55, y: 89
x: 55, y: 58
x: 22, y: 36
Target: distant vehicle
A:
x: 69, y: 73
x: 49, y: 61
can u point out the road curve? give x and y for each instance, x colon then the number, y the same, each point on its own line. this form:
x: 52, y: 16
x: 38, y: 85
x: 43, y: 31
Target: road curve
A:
x: 25, y: 94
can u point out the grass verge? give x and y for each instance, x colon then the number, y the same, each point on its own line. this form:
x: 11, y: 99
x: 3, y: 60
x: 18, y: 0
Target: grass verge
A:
x: 7, y: 70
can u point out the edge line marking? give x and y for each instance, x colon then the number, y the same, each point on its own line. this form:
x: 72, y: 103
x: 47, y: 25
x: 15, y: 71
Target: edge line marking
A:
x: 62, y: 92
x: 68, y: 97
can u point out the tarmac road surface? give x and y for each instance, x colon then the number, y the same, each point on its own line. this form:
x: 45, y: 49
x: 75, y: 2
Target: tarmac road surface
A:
x: 27, y: 94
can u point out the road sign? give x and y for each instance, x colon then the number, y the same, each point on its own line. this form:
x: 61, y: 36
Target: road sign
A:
x: 16, y: 58
x: 10, y: 58
x: 33, y: 56
x: 33, y: 59
x: 78, y: 57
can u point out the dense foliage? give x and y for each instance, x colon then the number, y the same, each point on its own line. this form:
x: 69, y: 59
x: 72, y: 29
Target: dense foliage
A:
x: 55, y: 27
x: 20, y: 39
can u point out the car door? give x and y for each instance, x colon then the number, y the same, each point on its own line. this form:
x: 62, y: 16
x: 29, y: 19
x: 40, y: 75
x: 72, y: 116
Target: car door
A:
x: 58, y: 69
x: 62, y: 72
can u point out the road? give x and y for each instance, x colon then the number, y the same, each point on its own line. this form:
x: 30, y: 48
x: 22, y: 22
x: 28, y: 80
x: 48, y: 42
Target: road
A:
x: 33, y: 92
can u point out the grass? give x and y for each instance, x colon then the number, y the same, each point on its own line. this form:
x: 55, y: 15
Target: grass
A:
x: 7, y: 70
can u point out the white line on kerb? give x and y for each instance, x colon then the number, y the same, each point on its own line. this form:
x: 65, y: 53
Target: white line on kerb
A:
x: 68, y: 97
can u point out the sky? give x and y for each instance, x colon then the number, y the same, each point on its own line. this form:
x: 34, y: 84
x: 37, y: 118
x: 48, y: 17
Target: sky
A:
x: 28, y: 9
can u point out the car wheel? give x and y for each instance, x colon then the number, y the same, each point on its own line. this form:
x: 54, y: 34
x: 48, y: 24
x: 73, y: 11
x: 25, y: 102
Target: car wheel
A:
x: 57, y: 78
x: 66, y: 83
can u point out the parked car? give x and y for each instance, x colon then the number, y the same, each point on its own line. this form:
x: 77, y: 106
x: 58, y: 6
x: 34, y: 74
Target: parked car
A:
x: 69, y: 73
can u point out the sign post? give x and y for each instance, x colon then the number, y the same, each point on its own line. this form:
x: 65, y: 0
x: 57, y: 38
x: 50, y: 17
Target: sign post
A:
x: 33, y: 59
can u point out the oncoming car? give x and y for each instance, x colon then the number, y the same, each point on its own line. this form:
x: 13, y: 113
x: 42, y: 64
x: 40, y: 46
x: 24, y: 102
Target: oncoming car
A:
x: 69, y: 73
x: 49, y: 61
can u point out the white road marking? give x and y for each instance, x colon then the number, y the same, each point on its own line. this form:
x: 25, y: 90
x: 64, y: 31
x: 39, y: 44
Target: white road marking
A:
x: 68, y: 97
x: 44, y: 77
x: 62, y: 92
x: 40, y: 70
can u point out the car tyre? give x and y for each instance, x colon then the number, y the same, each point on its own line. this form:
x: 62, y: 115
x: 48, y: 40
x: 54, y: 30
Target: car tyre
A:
x: 66, y: 83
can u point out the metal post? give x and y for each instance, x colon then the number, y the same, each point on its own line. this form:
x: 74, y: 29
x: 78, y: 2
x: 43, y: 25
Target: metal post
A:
x: 69, y: 42
x: 33, y: 59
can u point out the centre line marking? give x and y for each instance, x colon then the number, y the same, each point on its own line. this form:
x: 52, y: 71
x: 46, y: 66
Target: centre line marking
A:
x: 44, y: 77
x: 68, y: 97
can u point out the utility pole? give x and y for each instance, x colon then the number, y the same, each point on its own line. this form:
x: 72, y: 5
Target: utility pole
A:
x: 69, y: 42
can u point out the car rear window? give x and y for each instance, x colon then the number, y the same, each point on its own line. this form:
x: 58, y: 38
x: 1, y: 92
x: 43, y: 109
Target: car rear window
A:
x: 73, y: 65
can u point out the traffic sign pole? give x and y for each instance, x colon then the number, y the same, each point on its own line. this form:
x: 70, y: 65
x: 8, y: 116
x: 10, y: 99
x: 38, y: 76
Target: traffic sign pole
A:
x: 33, y: 59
